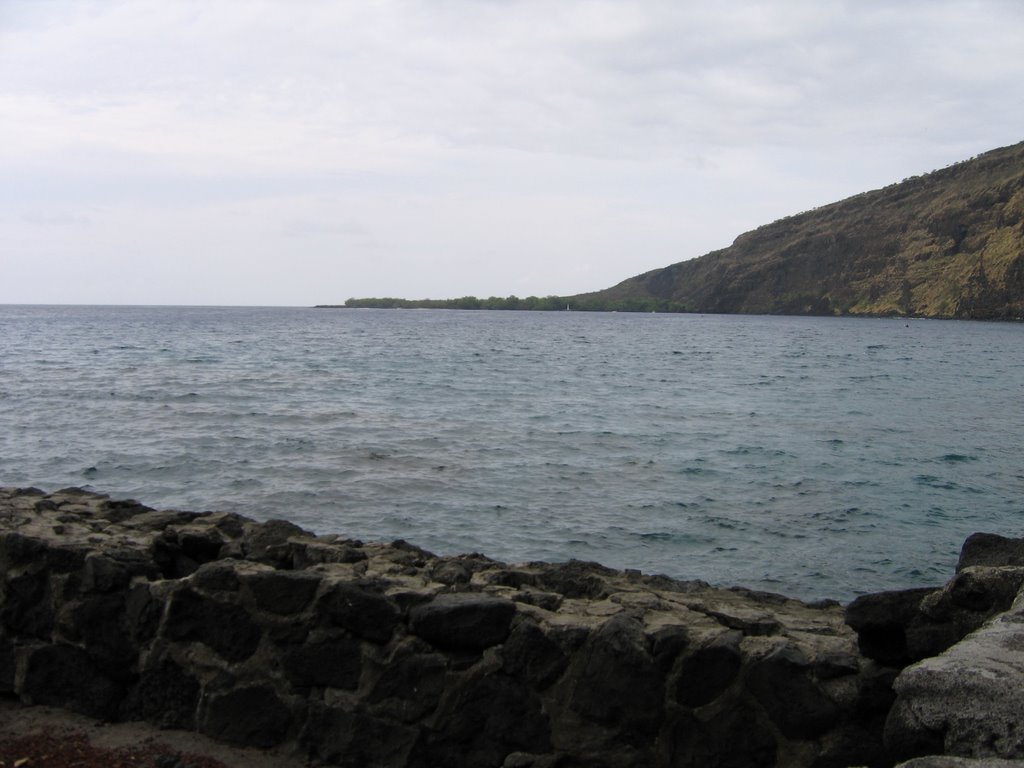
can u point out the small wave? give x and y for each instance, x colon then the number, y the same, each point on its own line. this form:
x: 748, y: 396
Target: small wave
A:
x: 955, y: 457
x: 934, y: 482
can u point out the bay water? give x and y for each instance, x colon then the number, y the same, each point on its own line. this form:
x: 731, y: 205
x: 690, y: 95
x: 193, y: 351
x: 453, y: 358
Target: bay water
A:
x: 817, y: 457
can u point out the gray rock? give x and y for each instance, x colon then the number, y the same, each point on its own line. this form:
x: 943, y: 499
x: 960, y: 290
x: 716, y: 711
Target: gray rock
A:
x: 976, y: 591
x: 969, y: 700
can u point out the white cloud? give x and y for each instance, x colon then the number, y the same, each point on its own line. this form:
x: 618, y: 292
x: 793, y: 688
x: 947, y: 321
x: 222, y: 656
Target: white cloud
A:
x: 461, y: 146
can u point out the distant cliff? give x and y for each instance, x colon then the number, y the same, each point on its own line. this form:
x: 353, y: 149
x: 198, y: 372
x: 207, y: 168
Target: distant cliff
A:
x: 946, y: 244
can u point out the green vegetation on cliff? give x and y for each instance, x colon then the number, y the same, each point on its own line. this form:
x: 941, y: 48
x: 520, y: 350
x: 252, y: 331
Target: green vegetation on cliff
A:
x: 586, y: 303
x: 946, y: 244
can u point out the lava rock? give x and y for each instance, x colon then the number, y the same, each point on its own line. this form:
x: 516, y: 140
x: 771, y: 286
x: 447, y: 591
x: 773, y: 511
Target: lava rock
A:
x: 251, y: 717
x: 463, y: 621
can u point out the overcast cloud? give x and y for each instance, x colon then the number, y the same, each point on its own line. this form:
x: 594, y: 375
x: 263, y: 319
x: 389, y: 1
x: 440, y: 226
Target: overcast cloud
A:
x: 217, y: 152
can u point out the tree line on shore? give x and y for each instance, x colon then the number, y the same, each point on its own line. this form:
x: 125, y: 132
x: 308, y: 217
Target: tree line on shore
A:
x: 529, y: 303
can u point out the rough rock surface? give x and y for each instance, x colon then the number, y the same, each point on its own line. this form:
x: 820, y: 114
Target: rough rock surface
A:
x: 355, y: 654
x: 263, y: 635
x: 968, y: 701
x: 944, y: 761
x: 904, y: 626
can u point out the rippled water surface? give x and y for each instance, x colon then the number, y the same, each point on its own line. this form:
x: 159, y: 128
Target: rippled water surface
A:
x: 813, y: 456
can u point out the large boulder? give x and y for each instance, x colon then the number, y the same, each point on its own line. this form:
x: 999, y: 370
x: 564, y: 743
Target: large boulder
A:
x: 969, y: 700
x: 463, y: 621
x: 990, y: 549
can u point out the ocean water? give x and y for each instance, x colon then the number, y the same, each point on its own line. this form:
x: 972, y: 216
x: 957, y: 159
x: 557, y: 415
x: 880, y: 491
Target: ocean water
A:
x: 817, y: 457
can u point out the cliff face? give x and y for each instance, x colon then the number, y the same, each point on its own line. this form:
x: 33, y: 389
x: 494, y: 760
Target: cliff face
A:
x: 355, y: 654
x: 946, y: 244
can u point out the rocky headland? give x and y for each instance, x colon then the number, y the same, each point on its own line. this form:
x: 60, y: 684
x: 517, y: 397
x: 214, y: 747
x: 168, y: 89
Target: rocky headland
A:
x: 947, y: 244
x: 348, y: 653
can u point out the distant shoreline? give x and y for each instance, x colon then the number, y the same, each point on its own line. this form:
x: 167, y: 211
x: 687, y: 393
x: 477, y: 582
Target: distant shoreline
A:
x: 636, y: 306
x: 514, y: 303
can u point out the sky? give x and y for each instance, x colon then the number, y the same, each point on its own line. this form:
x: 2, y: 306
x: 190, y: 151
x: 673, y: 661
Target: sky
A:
x: 299, y: 152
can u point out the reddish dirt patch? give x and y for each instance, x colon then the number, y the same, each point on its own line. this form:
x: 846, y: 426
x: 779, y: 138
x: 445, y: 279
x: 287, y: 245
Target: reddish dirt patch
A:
x: 73, y: 750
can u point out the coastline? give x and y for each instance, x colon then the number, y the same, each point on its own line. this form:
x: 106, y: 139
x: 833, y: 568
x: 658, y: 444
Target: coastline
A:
x: 265, y: 636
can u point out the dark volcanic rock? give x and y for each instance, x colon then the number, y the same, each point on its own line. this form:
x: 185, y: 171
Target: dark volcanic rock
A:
x: 484, y: 717
x: 409, y: 687
x: 530, y: 655
x: 386, y: 655
x: 705, y: 674
x: 782, y: 684
x: 576, y: 579
x: 463, y: 621
x: 356, y: 739
x: 252, y: 717
x: 65, y: 676
x: 96, y: 624
x: 737, y: 736
x: 225, y: 627
x: 881, y: 622
x: 361, y: 610
x: 617, y: 681
x: 165, y: 695
x: 283, y: 592
x: 328, y: 663
x: 990, y: 549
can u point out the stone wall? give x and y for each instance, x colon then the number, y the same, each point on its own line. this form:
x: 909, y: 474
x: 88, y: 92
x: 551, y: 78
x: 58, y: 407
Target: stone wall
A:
x: 384, y: 655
